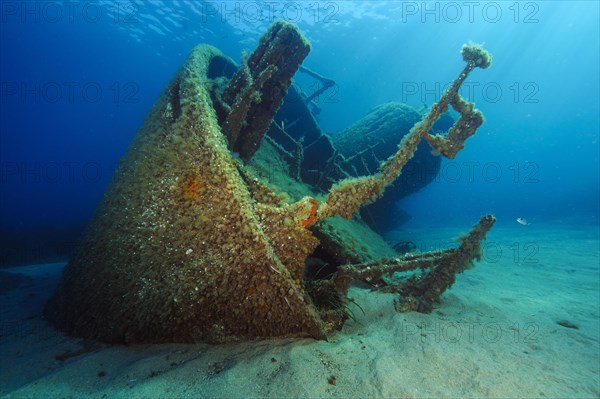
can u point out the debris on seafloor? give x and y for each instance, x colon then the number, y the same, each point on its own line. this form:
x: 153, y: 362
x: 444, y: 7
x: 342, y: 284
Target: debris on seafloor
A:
x: 404, y: 247
x: 190, y: 244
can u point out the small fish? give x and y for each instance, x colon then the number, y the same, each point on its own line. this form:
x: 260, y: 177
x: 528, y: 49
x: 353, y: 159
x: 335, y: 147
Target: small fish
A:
x: 522, y: 221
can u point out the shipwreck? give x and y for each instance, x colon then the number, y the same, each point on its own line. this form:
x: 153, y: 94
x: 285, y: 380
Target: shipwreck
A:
x: 221, y: 217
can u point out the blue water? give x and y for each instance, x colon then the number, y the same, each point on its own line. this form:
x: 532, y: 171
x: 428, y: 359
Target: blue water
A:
x: 78, y: 79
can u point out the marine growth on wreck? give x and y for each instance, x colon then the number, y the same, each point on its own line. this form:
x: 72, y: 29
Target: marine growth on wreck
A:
x: 191, y: 242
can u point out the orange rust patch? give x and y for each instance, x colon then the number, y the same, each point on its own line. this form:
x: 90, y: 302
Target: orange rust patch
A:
x: 191, y: 188
x: 313, y: 214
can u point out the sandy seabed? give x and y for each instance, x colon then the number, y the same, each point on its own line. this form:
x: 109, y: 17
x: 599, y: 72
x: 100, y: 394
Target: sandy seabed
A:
x: 523, y: 324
